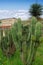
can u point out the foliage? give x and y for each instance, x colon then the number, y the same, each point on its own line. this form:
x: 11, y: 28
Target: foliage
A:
x: 13, y: 60
x: 36, y: 10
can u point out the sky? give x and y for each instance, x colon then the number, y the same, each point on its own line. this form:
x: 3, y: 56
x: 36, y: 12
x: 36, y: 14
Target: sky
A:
x: 16, y: 8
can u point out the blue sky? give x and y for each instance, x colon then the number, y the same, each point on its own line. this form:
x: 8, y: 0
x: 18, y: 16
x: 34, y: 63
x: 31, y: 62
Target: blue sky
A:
x: 17, y: 4
x: 8, y: 7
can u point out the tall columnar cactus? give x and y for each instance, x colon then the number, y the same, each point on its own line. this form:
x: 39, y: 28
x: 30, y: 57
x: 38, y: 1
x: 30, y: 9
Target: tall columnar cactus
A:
x: 31, y: 38
x: 27, y: 36
x: 32, y: 25
x: 35, y: 32
x: 17, y: 34
x: 38, y: 30
x: 25, y: 39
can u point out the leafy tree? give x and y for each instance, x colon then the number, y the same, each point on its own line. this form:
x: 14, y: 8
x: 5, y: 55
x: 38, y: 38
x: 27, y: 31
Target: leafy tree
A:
x: 36, y: 10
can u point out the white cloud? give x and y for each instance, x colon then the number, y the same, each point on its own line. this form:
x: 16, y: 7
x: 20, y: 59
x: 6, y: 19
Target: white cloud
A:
x: 23, y: 14
x: 42, y: 16
x: 4, y: 11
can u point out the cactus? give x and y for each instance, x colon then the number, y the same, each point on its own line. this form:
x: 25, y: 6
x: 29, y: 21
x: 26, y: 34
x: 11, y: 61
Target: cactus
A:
x: 32, y: 25
x: 17, y: 34
x: 35, y: 35
x: 25, y: 39
x: 38, y: 30
x: 7, y: 44
x: 31, y: 32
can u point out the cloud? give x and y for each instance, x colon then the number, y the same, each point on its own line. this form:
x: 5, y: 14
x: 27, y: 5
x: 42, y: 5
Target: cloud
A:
x: 4, y: 11
x: 41, y: 16
x: 23, y: 14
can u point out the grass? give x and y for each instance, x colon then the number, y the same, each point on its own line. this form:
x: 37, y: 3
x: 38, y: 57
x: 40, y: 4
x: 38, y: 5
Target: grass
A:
x: 39, y: 56
x: 14, y: 60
